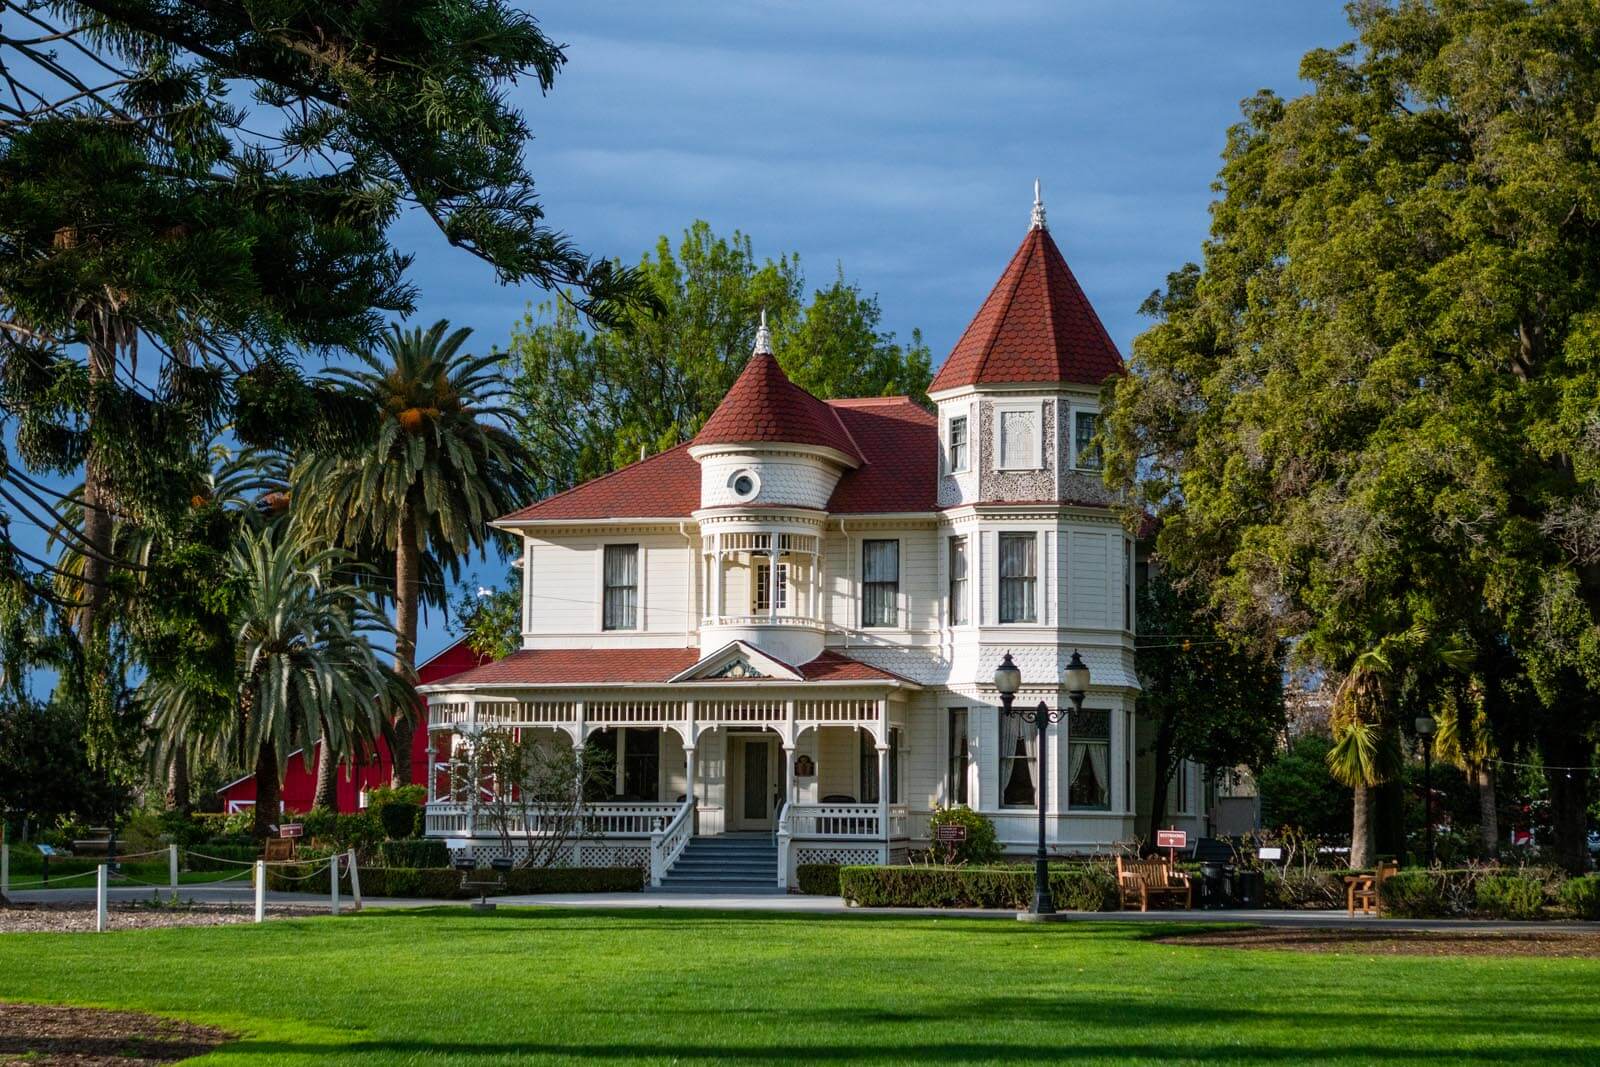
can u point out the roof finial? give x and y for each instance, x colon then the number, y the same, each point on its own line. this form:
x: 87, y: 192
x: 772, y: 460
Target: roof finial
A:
x: 1038, y: 208
x: 763, y: 336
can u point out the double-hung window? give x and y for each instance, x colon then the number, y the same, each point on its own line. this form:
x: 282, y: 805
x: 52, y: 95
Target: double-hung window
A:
x: 1086, y: 452
x: 958, y: 581
x: 1018, y: 573
x: 620, y: 609
x: 880, y: 583
x: 955, y: 789
x: 958, y: 443
x: 1089, y: 759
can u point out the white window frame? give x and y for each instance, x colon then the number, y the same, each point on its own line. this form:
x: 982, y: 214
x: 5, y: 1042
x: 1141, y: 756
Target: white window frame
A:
x: 762, y: 577
x: 638, y: 587
x: 1034, y: 408
x: 1000, y: 579
x: 950, y: 579
x: 1073, y: 412
x: 900, y: 613
x: 951, y: 466
x: 950, y: 799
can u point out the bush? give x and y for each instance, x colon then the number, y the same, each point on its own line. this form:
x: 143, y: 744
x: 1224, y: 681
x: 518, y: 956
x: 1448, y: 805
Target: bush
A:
x: 415, y: 852
x: 981, y: 845
x: 1082, y: 887
x: 1415, y: 895
x: 398, y: 809
x: 1510, y: 897
x: 1581, y: 896
x: 818, y: 879
x: 444, y: 883
x: 1297, y: 790
x: 341, y: 830
x: 1300, y: 887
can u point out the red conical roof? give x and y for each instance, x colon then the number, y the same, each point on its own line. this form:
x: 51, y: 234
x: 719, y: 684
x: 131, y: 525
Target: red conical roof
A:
x: 1036, y: 326
x: 765, y: 406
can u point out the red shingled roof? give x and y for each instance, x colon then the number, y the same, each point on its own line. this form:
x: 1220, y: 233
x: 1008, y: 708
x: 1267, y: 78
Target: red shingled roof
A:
x: 764, y: 405
x: 895, y: 438
x: 1036, y: 326
x: 608, y: 666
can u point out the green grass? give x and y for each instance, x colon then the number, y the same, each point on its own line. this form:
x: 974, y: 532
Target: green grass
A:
x: 451, y: 987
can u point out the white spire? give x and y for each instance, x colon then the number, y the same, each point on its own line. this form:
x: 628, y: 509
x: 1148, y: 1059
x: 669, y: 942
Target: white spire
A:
x: 763, y: 336
x: 1038, y: 208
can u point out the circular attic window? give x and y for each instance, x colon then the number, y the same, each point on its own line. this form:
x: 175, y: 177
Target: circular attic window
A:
x: 744, y: 484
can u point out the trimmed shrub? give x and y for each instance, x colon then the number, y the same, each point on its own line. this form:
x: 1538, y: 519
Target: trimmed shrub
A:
x: 414, y: 852
x: 981, y: 845
x: 341, y: 830
x: 1083, y: 887
x: 1581, y: 896
x: 818, y: 879
x: 1415, y: 895
x: 1510, y: 897
x: 398, y: 809
x: 443, y: 883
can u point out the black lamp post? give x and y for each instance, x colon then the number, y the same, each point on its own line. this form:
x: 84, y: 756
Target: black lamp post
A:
x: 1425, y: 731
x: 1007, y: 680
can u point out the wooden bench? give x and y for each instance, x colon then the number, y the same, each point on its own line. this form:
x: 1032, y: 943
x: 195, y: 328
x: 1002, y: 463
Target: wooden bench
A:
x: 1138, y: 881
x: 1363, y: 889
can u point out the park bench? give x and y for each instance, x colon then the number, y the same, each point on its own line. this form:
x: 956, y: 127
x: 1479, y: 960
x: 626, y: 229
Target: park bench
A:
x: 1140, y: 881
x: 1363, y: 890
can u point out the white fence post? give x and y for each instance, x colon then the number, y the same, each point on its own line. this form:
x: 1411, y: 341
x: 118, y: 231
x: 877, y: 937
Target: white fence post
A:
x: 333, y: 883
x: 261, y: 891
x: 172, y: 870
x: 355, y: 882
x: 100, y: 873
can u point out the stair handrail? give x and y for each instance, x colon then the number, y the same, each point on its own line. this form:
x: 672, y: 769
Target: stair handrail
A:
x: 668, y: 842
x: 781, y: 836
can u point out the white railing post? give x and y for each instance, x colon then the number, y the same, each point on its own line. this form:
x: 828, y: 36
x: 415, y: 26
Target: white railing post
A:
x: 355, y: 883
x: 883, y: 791
x: 172, y: 870
x: 333, y: 884
x: 261, y: 891
x: 100, y: 894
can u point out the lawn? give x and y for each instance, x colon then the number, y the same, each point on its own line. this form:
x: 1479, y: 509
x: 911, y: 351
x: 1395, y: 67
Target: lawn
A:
x: 448, y: 986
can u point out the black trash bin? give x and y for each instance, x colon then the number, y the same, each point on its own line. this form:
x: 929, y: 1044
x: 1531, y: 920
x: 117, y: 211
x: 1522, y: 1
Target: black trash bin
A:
x: 1216, y: 884
x: 1249, y: 889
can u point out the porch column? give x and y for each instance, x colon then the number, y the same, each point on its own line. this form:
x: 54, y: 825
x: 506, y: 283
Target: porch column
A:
x: 688, y: 775
x: 883, y: 789
x: 474, y: 785
x: 772, y: 575
x: 788, y: 775
x: 716, y: 575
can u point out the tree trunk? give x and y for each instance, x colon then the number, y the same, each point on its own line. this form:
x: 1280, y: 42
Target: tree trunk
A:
x: 407, y: 592
x: 1488, y: 810
x: 327, y: 794
x: 1569, y: 796
x: 1387, y: 813
x: 268, y: 789
x: 97, y: 530
x: 1363, y: 846
x: 1161, y: 749
x: 178, y: 781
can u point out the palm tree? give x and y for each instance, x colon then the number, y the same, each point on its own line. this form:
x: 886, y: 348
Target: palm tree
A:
x: 440, y: 464
x: 306, y: 667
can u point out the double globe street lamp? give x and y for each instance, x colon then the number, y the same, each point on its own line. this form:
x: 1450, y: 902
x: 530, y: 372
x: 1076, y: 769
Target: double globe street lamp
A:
x: 1007, y: 680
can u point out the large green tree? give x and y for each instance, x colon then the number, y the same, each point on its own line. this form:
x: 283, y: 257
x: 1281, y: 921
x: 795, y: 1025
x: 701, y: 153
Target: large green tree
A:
x: 440, y: 467
x: 594, y: 400
x: 1376, y: 399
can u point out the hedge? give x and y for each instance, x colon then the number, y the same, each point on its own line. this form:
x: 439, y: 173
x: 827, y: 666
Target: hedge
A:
x: 1510, y: 897
x: 444, y: 883
x: 1086, y: 887
x: 1581, y: 896
x: 414, y: 852
x: 818, y: 879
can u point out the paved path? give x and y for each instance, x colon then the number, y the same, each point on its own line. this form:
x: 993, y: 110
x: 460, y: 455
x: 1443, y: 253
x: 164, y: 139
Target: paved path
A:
x: 803, y: 905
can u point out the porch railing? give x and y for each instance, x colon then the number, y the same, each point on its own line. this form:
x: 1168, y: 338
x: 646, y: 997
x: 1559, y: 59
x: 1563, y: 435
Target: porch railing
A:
x: 620, y: 819
x: 668, y: 843
x: 834, y: 820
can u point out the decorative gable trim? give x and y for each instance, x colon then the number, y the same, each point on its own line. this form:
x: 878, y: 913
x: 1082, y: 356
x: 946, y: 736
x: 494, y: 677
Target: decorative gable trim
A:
x: 739, y: 660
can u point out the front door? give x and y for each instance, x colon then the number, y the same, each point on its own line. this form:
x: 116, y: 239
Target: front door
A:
x: 755, y: 811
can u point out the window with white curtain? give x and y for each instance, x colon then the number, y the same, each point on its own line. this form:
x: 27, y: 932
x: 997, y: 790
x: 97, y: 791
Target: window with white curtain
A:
x: 880, y: 583
x: 958, y: 443
x: 1019, y: 763
x: 620, y: 609
x: 1017, y: 577
x: 958, y: 581
x: 955, y: 790
x: 1089, y: 760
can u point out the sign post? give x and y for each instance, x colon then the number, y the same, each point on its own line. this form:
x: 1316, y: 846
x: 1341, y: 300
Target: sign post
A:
x: 1172, y: 841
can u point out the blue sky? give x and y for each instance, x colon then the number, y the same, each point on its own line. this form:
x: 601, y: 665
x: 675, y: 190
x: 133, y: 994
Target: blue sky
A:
x: 898, y: 140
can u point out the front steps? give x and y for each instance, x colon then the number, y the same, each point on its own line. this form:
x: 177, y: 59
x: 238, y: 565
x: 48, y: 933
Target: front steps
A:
x: 728, y: 865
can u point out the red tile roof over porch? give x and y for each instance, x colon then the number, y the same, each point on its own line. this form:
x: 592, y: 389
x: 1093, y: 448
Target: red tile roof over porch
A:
x: 621, y: 666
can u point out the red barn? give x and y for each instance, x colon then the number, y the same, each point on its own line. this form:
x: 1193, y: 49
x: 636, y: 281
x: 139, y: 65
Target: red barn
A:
x: 300, y: 778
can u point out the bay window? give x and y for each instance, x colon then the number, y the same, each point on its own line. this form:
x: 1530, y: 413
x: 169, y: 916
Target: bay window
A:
x: 1017, y: 578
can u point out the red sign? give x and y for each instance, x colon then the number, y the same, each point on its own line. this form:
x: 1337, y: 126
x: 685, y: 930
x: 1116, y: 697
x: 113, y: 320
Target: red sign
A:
x: 950, y: 833
x: 1172, y: 839
x: 292, y: 829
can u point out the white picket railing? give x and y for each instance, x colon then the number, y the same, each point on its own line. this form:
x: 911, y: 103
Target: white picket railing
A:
x: 620, y: 819
x: 834, y: 820
x: 668, y: 843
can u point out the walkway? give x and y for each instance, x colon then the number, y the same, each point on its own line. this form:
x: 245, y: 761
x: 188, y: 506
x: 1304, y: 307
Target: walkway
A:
x: 806, y: 905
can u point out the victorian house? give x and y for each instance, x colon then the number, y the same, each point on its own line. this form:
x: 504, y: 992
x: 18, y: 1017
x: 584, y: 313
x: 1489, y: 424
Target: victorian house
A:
x: 785, y: 630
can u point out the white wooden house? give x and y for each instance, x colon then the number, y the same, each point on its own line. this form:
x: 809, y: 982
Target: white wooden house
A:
x: 787, y: 628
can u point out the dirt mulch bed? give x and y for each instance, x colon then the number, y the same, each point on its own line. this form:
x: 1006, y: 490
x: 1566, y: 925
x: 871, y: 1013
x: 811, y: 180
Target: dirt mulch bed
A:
x: 1573, y: 945
x: 79, y: 917
x: 84, y: 1037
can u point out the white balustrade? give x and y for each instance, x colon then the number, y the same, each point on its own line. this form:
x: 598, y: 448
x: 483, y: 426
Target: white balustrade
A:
x: 620, y: 819
x: 899, y: 822
x: 835, y: 820
x: 668, y: 843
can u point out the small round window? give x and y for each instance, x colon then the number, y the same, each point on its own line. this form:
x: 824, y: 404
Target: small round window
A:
x: 743, y: 484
